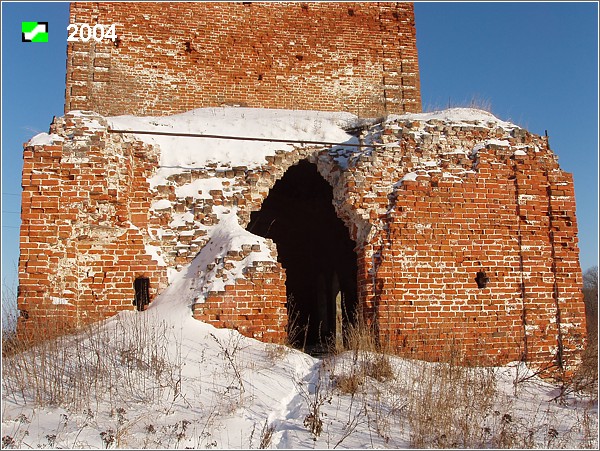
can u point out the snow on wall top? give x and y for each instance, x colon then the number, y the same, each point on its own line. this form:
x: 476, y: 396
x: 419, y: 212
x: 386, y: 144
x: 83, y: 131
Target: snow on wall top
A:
x: 456, y: 116
x: 45, y: 139
x: 180, y: 153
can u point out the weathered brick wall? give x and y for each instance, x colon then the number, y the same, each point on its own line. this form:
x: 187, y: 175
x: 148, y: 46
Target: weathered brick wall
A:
x: 255, y: 305
x: 508, y: 210
x: 174, y: 57
x: 430, y: 206
x: 83, y: 226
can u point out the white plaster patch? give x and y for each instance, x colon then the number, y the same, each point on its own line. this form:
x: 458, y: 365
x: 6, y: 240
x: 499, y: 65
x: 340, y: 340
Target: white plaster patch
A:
x: 162, y: 204
x: 59, y: 301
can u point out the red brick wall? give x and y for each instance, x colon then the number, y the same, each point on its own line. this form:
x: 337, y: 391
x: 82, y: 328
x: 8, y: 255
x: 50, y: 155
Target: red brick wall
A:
x: 172, y: 57
x: 84, y: 210
x: 255, y: 305
x: 508, y: 210
x: 510, y: 215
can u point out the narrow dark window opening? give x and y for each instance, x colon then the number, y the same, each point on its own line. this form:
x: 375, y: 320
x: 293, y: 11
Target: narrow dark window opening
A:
x: 142, y: 293
x: 482, y: 279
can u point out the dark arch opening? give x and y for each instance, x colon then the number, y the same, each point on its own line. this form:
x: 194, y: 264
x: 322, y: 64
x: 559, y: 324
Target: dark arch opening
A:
x: 315, y: 249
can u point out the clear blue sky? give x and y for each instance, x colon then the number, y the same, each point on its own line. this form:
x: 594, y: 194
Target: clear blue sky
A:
x: 535, y: 64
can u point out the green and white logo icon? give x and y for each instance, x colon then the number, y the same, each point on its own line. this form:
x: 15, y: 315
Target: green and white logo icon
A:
x: 34, y: 31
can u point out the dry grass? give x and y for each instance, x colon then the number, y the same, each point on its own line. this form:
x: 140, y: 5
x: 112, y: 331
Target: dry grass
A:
x: 348, y: 383
x: 449, y: 404
x: 443, y: 404
x: 586, y: 376
x: 266, y: 436
x: 433, y: 405
x: 276, y: 352
x: 296, y: 332
x: 476, y: 102
x: 78, y: 371
x: 369, y: 359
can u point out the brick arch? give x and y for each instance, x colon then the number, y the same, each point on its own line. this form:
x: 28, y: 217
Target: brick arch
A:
x: 261, y: 180
x: 360, y: 227
x: 341, y: 181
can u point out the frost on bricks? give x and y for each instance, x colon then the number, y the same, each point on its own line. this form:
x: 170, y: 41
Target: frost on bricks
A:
x: 420, y: 240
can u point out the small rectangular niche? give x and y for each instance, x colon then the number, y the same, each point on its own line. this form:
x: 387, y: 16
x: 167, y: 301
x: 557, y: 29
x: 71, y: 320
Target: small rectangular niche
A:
x: 142, y: 293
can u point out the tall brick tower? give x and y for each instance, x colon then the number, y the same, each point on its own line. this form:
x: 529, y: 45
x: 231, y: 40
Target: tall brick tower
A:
x: 173, y: 57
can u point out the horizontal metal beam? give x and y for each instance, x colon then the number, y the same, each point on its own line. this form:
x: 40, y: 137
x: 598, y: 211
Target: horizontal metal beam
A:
x: 242, y: 138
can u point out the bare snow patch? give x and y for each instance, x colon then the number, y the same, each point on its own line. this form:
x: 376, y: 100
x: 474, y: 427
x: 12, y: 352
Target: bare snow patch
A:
x: 59, y: 301
x: 201, y: 188
x: 155, y: 252
x: 44, y: 139
x: 409, y: 177
x: 162, y: 204
x: 180, y: 153
x: 497, y: 142
x: 89, y: 119
x: 457, y: 116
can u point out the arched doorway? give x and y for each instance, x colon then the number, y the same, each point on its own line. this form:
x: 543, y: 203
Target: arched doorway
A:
x: 317, y: 253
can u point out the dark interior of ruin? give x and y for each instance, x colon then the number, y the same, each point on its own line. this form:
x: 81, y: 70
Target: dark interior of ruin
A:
x: 317, y: 253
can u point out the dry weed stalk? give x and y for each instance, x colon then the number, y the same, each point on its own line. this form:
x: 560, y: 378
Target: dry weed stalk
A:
x: 369, y: 359
x: 230, y: 352
x: 316, y: 393
x: 125, y: 358
x: 266, y: 435
x: 449, y: 403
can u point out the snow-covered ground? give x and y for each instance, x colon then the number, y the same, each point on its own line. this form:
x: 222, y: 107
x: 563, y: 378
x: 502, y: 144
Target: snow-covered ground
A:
x: 160, y: 379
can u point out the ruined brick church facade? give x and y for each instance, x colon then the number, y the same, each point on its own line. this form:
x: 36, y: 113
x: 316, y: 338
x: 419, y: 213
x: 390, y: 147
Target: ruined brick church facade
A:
x: 442, y: 230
